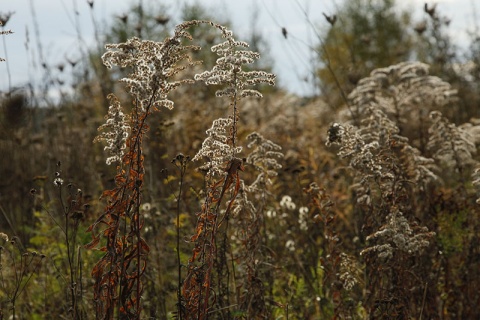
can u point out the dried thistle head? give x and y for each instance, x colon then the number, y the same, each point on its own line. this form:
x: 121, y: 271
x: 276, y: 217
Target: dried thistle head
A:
x: 5, y: 17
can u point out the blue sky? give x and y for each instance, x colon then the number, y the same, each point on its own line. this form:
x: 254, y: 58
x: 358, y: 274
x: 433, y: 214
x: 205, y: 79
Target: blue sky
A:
x: 57, y: 32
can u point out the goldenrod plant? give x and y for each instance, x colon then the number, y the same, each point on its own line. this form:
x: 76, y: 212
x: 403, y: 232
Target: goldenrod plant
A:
x: 159, y: 186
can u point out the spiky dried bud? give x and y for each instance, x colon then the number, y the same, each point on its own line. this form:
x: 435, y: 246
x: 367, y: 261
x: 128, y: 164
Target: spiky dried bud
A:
x: 5, y: 17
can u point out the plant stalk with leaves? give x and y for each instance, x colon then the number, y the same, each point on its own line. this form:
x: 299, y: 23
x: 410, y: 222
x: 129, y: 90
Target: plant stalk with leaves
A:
x: 118, y: 275
x: 220, y: 148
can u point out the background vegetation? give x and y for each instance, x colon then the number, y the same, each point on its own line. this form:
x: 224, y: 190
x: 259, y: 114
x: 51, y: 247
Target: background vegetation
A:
x: 361, y: 202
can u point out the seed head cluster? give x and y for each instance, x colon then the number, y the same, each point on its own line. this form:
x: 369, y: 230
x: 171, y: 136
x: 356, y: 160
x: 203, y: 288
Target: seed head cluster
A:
x: 216, y: 149
x: 229, y: 70
x: 398, y: 235
x: 153, y: 65
x: 115, y: 131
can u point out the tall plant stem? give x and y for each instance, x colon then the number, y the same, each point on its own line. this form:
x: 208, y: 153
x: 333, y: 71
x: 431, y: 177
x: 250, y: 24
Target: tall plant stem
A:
x: 183, y: 167
x: 7, y: 63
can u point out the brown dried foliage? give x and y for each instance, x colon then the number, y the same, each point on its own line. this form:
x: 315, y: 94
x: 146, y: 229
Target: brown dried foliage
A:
x: 197, y: 290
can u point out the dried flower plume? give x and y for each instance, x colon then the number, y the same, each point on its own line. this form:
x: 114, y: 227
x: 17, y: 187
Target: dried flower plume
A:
x: 118, y: 131
x: 216, y: 149
x: 397, y: 234
x: 230, y: 69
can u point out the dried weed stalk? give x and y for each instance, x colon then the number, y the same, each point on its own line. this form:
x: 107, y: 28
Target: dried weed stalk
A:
x: 222, y: 177
x: 334, y: 282
x: 73, y: 210
x: 22, y: 267
x: 154, y: 67
x: 390, y: 174
x: 249, y: 211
